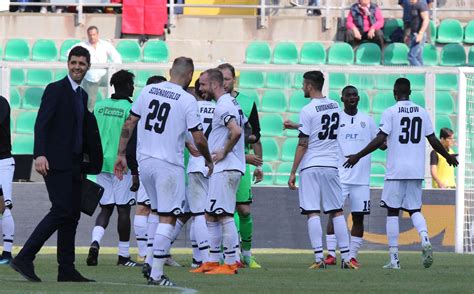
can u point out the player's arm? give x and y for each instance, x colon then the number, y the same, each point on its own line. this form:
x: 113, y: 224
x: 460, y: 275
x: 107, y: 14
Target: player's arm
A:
x: 127, y: 131
x: 436, y: 144
x: 258, y: 153
x: 254, y: 122
x: 235, y: 131
x: 200, y: 142
x: 376, y: 143
x: 290, y: 125
x: 424, y: 25
x: 301, y: 149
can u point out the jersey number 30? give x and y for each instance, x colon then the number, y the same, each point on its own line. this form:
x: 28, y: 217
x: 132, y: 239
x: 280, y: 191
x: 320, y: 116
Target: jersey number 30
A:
x: 329, y: 125
x: 411, y: 130
x: 159, y: 112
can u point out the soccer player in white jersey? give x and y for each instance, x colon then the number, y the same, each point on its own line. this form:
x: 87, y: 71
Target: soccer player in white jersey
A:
x: 226, y: 142
x: 403, y: 126
x: 356, y: 130
x: 164, y: 114
x: 316, y: 158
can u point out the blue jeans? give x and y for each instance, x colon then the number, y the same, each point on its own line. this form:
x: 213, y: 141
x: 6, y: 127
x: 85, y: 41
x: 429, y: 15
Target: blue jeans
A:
x: 415, y: 55
x: 314, y: 2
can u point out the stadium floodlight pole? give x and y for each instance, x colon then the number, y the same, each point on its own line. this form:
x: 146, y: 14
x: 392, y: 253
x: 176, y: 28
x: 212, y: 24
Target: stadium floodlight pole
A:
x: 460, y: 185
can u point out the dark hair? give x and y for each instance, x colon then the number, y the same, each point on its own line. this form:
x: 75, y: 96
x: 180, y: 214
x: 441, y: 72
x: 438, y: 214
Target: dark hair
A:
x: 445, y: 133
x: 215, y: 75
x: 197, y: 91
x: 121, y: 78
x: 402, y: 87
x: 348, y: 87
x: 92, y: 28
x: 79, y: 51
x: 315, y: 78
x: 229, y: 67
x: 155, y: 80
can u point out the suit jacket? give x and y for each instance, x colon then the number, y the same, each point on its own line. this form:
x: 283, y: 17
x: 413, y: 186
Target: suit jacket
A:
x: 54, y: 128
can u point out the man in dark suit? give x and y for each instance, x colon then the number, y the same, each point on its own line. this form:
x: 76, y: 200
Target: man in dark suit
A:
x: 58, y: 153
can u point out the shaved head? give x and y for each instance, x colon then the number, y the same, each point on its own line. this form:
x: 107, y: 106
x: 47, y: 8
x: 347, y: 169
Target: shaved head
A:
x: 182, y: 71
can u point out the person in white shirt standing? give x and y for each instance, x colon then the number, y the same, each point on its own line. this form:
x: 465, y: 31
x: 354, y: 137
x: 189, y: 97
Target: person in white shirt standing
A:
x: 317, y: 158
x: 356, y: 130
x: 403, y: 126
x: 226, y: 142
x: 101, y: 51
x: 164, y: 113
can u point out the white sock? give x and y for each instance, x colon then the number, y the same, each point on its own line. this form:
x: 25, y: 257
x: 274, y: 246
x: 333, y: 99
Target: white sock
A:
x: 97, y: 234
x: 342, y: 236
x: 124, y: 249
x: 356, y: 243
x: 161, y: 249
x: 419, y: 223
x: 215, y: 240
x: 177, y: 229
x: 331, y: 243
x: 393, y: 230
x: 201, y: 235
x: 8, y: 230
x: 140, y: 226
x: 192, y: 236
x: 315, y: 233
x: 153, y: 220
x: 229, y: 240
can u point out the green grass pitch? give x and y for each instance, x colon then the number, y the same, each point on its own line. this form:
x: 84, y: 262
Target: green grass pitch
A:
x: 281, y: 273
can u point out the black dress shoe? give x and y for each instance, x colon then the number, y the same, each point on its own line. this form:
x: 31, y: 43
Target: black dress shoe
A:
x: 25, y: 268
x: 73, y: 276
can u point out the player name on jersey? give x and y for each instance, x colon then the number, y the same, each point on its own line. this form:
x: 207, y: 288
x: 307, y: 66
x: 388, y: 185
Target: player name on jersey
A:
x: 410, y: 109
x: 206, y: 110
x: 325, y: 107
x: 164, y: 93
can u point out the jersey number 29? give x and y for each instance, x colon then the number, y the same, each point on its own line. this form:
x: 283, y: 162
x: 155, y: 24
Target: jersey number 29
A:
x: 159, y: 112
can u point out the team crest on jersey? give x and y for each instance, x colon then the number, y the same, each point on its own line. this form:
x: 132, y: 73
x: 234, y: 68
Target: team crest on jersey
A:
x: 219, y: 211
x: 177, y: 211
x: 362, y: 124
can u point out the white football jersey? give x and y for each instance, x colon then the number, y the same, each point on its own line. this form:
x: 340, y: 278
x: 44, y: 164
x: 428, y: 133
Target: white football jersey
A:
x: 206, y: 112
x: 355, y: 132
x: 406, y: 125
x: 319, y: 120
x: 227, y: 108
x: 166, y: 114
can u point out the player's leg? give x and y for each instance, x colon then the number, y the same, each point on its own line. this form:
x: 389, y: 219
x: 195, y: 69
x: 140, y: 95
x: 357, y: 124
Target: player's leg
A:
x: 392, y: 198
x: 360, y: 206
x: 98, y: 231
x: 182, y: 219
x: 331, y: 243
x: 140, y: 222
x: 197, y: 259
x: 7, y: 168
x: 161, y: 249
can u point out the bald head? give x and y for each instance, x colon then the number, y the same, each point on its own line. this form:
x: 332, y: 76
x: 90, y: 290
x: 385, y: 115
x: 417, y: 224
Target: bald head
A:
x: 182, y: 71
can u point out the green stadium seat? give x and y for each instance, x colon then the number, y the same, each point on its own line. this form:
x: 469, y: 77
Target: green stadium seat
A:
x: 382, y: 100
x: 297, y: 101
x: 340, y: 53
x: 288, y: 149
x: 283, y: 174
x: 364, y: 102
x: 60, y: 74
x: 377, y: 117
x: 433, y: 31
x: 252, y: 93
x: 278, y: 80
x: 469, y: 32
x: 450, y: 31
x: 17, y: 50
x: 379, y: 155
x: 156, y: 51
x: 141, y: 76
x: 15, y: 98
x: 258, y: 53
x: 137, y: 92
x: 271, y: 150
x: 1, y: 52
x: 271, y: 125
x: 337, y: 80
x: 453, y: 55
x: 267, y: 174
x: 285, y: 53
x: 23, y: 144
x: 444, y: 103
x: 336, y: 96
x: 251, y: 79
x: 274, y: 101
x: 390, y: 26
x: 32, y: 99
x: 396, y: 54
x: 417, y: 81
x: 386, y: 81
x: 312, y: 53
x: 295, y: 117
x: 25, y: 122
x: 100, y: 96
x: 17, y: 77
x: 418, y: 98
x: 65, y: 46
x: 368, y: 54
x: 470, y: 57
x: 298, y: 80
x: 362, y: 81
x: 446, y: 81
x: 442, y: 121
x: 39, y: 77
x: 44, y: 50
x: 377, y: 174
x: 129, y: 50
x: 430, y: 55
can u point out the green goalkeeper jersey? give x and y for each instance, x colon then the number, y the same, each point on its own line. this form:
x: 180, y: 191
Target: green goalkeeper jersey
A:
x: 246, y: 103
x: 111, y: 115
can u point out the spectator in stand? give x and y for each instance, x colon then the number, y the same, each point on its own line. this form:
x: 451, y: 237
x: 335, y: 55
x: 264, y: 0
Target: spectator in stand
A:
x: 364, y: 23
x: 407, y: 17
x: 441, y: 172
x: 309, y: 12
x: 101, y: 51
x: 418, y: 25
